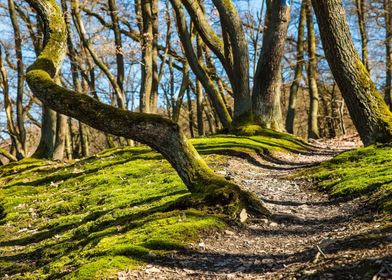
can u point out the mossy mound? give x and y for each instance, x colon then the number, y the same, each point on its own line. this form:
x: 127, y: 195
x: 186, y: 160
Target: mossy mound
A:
x: 264, y: 142
x: 92, y: 218
x: 365, y: 171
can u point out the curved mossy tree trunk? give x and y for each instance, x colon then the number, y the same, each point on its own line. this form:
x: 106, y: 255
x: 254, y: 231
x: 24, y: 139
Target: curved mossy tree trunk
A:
x: 265, y: 98
x: 367, y: 108
x: 157, y: 132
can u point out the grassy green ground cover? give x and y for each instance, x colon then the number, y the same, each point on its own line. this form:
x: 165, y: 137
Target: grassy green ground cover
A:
x: 92, y: 218
x: 365, y: 171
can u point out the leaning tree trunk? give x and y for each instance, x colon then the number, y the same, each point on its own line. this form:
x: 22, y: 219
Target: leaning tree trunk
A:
x: 232, y: 51
x: 367, y: 108
x: 239, y: 69
x: 266, y: 102
x: 157, y: 132
x: 199, y: 70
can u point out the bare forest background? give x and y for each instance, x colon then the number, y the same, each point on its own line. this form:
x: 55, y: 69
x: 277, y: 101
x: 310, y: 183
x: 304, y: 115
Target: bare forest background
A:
x: 129, y: 55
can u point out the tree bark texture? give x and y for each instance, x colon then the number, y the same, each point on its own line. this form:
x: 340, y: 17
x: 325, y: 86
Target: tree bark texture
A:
x: 266, y: 102
x: 367, y: 108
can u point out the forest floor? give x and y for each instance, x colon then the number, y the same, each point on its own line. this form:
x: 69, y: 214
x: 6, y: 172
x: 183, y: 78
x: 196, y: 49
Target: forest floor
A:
x: 311, y: 235
x: 110, y: 216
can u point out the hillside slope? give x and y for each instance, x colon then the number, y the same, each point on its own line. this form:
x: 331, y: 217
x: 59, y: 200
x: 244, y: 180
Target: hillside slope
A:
x: 91, y: 218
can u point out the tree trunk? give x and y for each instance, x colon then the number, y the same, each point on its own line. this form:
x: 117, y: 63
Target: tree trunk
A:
x: 199, y: 92
x: 21, y: 77
x: 159, y: 133
x: 209, y: 116
x: 184, y: 86
x: 313, y: 126
x: 155, y: 74
x: 239, y: 68
x: 118, y: 43
x: 68, y: 140
x: 367, y: 108
x: 199, y: 70
x: 232, y: 52
x: 388, y: 51
x: 12, y: 129
x: 361, y: 13
x: 84, y: 131
x: 48, y: 134
x: 61, y: 130
x: 290, y: 119
x: 149, y: 29
x: 190, y: 112
x: 84, y: 140
x: 266, y: 102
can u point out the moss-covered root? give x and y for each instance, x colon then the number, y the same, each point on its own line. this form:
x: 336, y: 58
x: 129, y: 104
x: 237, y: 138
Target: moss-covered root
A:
x: 234, y: 200
x: 227, y: 198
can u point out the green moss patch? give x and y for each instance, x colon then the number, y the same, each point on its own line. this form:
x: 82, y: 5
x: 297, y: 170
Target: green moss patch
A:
x: 265, y: 142
x: 365, y: 171
x: 92, y: 218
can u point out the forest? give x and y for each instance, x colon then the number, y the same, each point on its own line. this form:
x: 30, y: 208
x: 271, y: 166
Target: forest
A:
x: 196, y: 139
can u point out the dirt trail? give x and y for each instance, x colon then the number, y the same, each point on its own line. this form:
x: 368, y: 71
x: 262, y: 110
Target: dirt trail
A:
x: 311, y: 237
